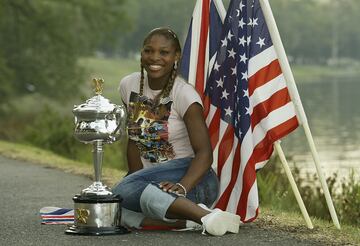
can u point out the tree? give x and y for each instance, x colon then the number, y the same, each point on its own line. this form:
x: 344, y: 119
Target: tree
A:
x: 175, y: 14
x: 317, y: 31
x: 41, y: 41
x: 304, y: 28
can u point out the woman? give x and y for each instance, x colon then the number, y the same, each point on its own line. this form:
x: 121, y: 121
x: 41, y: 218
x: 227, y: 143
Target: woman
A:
x: 169, y: 152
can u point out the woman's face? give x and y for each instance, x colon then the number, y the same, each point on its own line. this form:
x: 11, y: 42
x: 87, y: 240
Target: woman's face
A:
x: 158, y: 57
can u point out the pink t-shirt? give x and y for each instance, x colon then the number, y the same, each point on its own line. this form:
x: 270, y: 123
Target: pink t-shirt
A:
x: 159, y: 132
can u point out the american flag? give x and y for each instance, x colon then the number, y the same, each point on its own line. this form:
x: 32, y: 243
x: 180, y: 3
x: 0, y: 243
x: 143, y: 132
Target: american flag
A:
x: 247, y: 106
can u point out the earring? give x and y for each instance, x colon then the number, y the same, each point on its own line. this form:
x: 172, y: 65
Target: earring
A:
x: 175, y: 65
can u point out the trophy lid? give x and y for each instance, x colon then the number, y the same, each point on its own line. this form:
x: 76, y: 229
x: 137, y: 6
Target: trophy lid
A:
x: 97, y: 104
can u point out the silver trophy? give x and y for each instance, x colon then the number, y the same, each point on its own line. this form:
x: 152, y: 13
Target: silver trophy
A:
x: 97, y: 211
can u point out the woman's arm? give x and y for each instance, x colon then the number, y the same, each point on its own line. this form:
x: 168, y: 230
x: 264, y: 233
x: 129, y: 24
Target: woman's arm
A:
x: 200, y: 142
x: 133, y: 157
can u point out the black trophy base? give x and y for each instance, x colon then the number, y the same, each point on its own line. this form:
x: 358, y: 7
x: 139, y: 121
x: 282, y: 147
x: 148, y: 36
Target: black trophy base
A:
x: 97, y: 215
x: 74, y: 230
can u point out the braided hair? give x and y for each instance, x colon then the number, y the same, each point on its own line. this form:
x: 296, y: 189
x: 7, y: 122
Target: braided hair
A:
x: 170, y: 35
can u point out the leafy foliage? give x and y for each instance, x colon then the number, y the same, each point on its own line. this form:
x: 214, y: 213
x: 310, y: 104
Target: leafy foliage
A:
x: 275, y: 191
x: 312, y: 31
x: 52, y: 131
x: 349, y: 200
x: 175, y: 14
x: 318, y: 31
x: 42, y: 40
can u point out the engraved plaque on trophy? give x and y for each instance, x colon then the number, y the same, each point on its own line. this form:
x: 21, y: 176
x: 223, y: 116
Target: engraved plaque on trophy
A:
x: 97, y: 211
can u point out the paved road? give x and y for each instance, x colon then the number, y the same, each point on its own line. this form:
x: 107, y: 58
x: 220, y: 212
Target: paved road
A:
x: 25, y: 188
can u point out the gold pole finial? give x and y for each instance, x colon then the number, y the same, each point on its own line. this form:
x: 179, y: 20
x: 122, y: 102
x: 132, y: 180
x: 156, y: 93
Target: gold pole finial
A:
x: 98, y: 84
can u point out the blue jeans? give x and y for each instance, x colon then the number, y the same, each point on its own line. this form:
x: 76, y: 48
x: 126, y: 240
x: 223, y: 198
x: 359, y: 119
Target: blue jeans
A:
x: 143, y: 198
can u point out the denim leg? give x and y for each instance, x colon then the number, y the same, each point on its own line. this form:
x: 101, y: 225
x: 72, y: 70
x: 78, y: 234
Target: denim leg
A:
x: 155, y: 202
x: 139, y: 196
x: 206, y: 191
x: 132, y: 186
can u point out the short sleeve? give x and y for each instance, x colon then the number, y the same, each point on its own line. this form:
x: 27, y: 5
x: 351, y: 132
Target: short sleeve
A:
x: 122, y: 91
x: 185, y: 95
x: 128, y: 84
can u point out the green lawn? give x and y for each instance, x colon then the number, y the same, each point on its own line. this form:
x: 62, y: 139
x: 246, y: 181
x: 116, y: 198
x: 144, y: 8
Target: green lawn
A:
x: 47, y: 158
x: 111, y: 70
x: 314, y: 73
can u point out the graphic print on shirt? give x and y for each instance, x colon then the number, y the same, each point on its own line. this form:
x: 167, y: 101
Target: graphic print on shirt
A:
x: 148, y: 127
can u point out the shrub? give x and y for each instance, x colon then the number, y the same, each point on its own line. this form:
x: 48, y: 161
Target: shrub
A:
x: 275, y: 192
x: 54, y: 131
x: 348, y: 200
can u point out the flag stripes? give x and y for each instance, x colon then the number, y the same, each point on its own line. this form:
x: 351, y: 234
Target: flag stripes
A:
x: 56, y: 215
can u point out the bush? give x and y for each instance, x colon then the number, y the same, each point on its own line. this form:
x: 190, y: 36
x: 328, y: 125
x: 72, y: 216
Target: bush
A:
x: 275, y: 191
x: 53, y: 131
x: 348, y: 201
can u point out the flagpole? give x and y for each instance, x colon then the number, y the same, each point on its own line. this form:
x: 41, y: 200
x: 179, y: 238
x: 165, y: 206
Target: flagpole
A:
x: 284, y: 63
x: 221, y: 9
x: 293, y: 185
x: 195, y: 39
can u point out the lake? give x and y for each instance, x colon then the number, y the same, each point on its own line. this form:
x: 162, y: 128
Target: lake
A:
x: 333, y: 113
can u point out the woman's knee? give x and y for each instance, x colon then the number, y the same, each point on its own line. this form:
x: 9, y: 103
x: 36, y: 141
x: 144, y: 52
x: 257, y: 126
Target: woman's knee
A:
x: 154, y: 202
x: 123, y: 189
x: 130, y: 192
x: 206, y: 191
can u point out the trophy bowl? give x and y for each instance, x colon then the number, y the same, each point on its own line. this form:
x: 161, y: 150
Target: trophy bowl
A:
x: 97, y: 211
x: 98, y: 119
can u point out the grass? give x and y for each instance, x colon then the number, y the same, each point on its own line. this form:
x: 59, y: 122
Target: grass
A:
x: 293, y: 223
x: 111, y: 70
x: 47, y: 158
x: 269, y: 218
x: 313, y: 73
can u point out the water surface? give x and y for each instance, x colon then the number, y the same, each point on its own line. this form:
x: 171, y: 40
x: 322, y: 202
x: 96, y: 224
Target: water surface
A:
x: 333, y: 112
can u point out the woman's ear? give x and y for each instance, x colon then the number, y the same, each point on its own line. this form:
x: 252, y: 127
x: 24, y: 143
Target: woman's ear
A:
x: 177, y: 57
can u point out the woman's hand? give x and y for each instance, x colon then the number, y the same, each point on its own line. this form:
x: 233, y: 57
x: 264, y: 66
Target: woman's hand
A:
x: 170, y: 187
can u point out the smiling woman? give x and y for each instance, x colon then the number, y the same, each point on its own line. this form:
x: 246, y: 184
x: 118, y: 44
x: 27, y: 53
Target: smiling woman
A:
x: 158, y: 57
x: 169, y: 152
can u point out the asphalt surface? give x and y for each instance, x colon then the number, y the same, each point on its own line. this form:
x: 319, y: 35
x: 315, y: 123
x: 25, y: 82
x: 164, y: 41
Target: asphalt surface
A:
x: 26, y: 187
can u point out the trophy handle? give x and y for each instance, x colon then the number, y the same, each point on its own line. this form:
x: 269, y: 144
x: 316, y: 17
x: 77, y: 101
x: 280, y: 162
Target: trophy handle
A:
x: 118, y: 110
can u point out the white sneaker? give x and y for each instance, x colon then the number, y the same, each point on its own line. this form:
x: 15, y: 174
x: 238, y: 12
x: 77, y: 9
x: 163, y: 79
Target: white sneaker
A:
x: 218, y: 222
x: 193, y: 226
